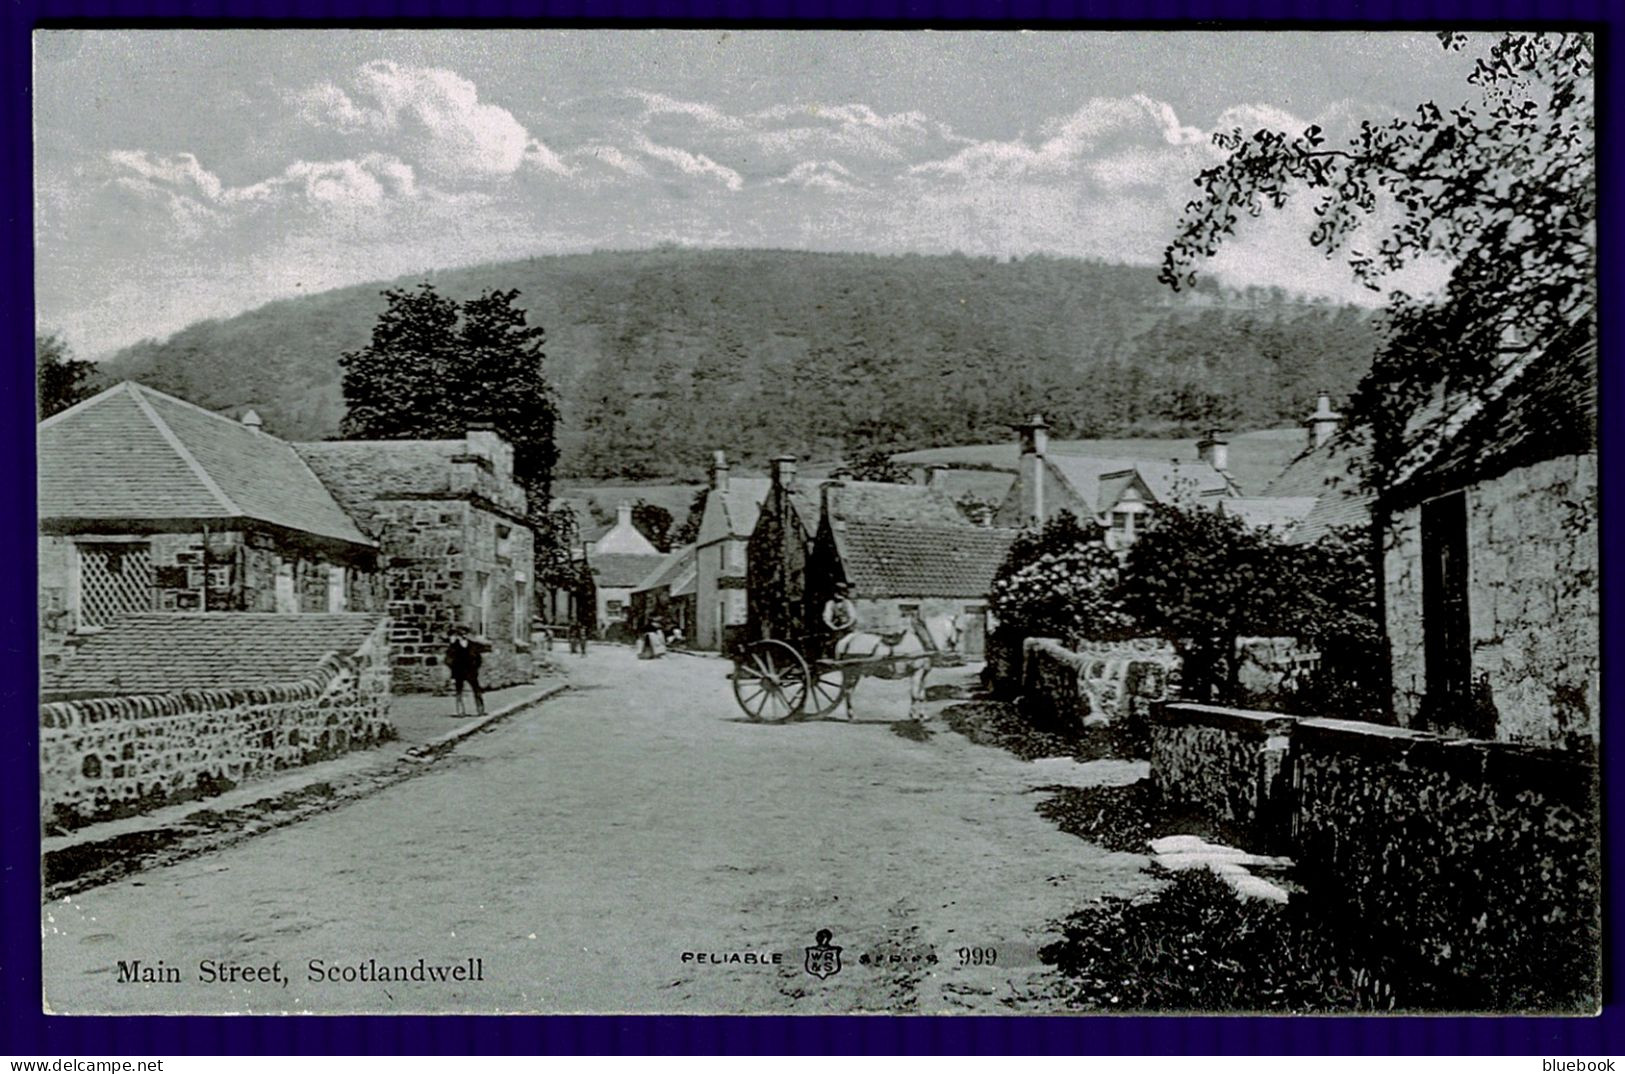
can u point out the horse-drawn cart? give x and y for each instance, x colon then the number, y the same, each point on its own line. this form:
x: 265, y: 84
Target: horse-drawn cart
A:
x: 774, y: 680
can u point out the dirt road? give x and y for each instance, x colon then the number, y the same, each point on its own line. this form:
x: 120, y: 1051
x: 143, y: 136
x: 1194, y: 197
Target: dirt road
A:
x: 630, y: 846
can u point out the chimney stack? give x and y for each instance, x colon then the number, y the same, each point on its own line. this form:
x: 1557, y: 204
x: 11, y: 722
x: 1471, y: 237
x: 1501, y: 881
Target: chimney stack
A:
x: 719, y: 471
x: 932, y: 471
x: 1034, y: 435
x: 1030, y: 472
x: 251, y: 418
x: 623, y: 513
x: 1323, y: 422
x: 784, y: 471
x: 1214, y: 450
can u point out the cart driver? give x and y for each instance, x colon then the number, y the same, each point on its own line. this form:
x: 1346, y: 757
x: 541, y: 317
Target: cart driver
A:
x: 840, y: 615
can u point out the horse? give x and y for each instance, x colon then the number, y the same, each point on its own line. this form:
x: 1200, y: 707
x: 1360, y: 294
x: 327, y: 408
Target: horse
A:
x: 921, y: 639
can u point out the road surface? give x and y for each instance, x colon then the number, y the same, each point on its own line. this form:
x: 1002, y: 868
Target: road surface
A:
x: 634, y: 845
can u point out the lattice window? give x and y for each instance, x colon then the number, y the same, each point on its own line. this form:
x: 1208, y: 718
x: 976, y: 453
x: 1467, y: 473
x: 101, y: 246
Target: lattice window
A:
x: 114, y: 580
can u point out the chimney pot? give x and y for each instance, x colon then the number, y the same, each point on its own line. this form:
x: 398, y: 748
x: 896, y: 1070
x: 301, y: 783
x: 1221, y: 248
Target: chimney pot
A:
x: 623, y: 513
x: 251, y: 418
x: 719, y: 471
x: 1323, y: 422
x: 1214, y: 450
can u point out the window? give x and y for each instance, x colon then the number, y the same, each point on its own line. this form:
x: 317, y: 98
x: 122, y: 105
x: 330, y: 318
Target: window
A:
x: 482, y: 605
x: 504, y: 542
x: 287, y: 600
x: 111, y: 579
x: 612, y: 609
x: 907, y: 609
x: 521, y: 611
x: 1446, y: 628
x: 336, y: 599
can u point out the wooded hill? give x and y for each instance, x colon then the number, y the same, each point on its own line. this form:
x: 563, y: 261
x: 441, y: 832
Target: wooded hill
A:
x: 662, y: 356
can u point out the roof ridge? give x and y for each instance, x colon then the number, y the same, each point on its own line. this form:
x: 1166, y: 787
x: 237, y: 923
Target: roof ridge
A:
x: 86, y: 404
x: 175, y: 443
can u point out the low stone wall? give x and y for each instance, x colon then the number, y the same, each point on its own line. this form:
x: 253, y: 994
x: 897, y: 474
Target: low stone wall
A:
x: 1468, y: 868
x: 1471, y: 864
x: 1226, y: 769
x: 108, y: 757
x: 1102, y: 684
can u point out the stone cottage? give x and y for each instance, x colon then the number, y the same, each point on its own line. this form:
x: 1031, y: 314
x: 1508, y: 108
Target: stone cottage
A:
x: 720, y: 557
x: 1491, y: 559
x: 903, y: 549
x: 1115, y: 493
x: 148, y: 503
x: 620, y: 559
x: 667, y: 594
x: 455, y: 543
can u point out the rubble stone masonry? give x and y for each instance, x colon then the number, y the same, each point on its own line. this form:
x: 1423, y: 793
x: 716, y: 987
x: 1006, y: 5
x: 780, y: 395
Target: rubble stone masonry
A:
x: 1533, y: 602
x: 108, y: 757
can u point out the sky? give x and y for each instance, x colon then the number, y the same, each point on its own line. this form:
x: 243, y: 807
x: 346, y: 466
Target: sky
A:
x: 183, y: 175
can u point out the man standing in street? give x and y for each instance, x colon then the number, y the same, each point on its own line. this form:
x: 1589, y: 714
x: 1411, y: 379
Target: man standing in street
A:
x: 463, y: 661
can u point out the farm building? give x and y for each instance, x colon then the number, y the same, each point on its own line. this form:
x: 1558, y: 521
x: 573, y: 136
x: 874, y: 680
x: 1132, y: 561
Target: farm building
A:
x: 1116, y: 493
x: 903, y: 549
x: 1491, y: 559
x: 456, y: 544
x: 148, y: 503
x: 667, y: 594
x: 619, y: 561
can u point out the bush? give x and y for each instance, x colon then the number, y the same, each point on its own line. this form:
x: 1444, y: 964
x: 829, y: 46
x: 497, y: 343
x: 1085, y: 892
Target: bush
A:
x: 1059, y: 581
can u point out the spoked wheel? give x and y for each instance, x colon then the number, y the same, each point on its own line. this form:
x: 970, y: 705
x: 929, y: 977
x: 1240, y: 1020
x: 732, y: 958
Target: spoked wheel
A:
x: 770, y: 681
x: 827, y: 688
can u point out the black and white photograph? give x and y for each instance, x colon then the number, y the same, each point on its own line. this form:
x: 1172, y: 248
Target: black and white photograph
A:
x: 804, y: 522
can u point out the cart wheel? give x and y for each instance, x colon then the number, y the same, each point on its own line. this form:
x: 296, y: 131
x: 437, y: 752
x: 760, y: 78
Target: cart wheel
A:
x: 770, y: 681
x: 827, y: 688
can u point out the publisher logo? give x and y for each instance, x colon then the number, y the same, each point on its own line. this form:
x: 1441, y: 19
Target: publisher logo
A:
x: 823, y: 959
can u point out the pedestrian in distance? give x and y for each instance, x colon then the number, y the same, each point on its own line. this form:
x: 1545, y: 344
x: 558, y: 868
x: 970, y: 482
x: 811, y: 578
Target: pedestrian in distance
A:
x: 463, y: 661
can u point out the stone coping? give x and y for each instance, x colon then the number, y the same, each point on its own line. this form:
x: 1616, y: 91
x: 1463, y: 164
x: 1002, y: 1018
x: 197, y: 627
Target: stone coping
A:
x: 1241, y: 721
x: 1569, y: 775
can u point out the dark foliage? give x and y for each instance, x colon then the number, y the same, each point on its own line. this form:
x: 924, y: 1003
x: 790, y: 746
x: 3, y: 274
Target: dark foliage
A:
x: 60, y: 379
x: 434, y: 367
x: 1195, y: 947
x: 660, y: 357
x: 654, y: 522
x: 1202, y: 579
x: 688, y: 531
x: 1059, y: 580
x: 1502, y: 188
x: 878, y: 466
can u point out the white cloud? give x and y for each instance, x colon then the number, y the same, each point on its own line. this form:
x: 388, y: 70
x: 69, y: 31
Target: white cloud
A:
x: 826, y: 175
x: 697, y: 164
x: 433, y: 118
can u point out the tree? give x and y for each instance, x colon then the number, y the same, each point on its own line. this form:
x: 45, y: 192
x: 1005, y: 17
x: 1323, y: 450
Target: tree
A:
x: 1503, y: 188
x: 654, y: 522
x: 434, y: 367
x: 878, y: 466
x: 689, y: 531
x: 1059, y: 580
x: 1202, y: 579
x: 60, y: 379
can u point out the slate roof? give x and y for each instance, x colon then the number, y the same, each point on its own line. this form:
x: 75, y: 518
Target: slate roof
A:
x: 159, y: 652
x: 988, y: 485
x: 1333, y: 511
x: 898, y: 559
x: 614, y: 571
x: 1279, y: 513
x: 671, y: 568
x: 1098, y: 480
x: 742, y: 502
x: 1547, y: 408
x: 132, y: 453
x: 879, y: 501
x: 361, y: 471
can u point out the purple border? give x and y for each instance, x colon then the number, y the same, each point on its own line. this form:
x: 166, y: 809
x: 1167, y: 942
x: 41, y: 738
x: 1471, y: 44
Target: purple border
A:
x: 24, y: 1031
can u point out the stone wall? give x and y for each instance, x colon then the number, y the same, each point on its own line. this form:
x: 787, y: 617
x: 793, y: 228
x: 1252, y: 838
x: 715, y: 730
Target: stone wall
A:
x: 1533, y: 605
x: 108, y: 757
x: 1463, y: 867
x: 1225, y: 770
x: 434, y: 551
x: 1102, y: 684
x: 1465, y: 863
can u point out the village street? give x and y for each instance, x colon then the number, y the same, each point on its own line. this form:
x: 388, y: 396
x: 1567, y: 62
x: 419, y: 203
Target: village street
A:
x: 579, y: 850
